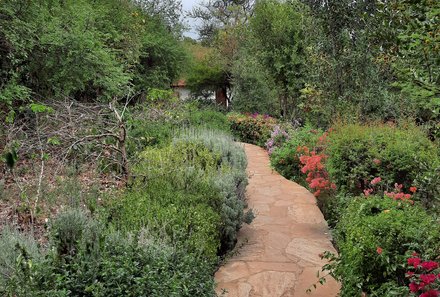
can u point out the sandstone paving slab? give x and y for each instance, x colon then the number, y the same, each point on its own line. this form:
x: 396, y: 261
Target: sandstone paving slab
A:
x: 278, y: 254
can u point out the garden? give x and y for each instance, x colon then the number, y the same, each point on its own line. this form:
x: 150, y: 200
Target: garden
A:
x: 378, y: 188
x: 113, y: 185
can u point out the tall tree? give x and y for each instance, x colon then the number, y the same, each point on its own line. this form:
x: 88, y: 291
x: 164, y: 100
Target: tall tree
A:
x: 279, y: 29
x: 219, y: 14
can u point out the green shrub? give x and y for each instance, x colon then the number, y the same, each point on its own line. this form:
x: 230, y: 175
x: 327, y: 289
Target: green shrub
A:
x: 208, y: 118
x: 333, y: 207
x: 186, y: 218
x: 221, y: 143
x: 144, y: 133
x: 285, y: 159
x: 72, y: 231
x: 230, y: 181
x: 193, y: 189
x: 402, y: 155
x: 374, y: 237
x: 119, y: 264
x: 253, y: 128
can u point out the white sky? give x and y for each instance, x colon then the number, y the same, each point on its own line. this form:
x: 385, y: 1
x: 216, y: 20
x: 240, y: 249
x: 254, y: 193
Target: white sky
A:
x: 187, y: 6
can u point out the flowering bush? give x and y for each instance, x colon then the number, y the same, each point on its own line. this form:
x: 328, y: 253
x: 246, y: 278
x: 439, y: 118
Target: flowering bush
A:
x: 252, y: 128
x: 374, y: 236
x: 358, y: 154
x: 317, y: 176
x: 424, y: 277
x: 285, y: 158
x: 277, y: 139
x: 396, y: 194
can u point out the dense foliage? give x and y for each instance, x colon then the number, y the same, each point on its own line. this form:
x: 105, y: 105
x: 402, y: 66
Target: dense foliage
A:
x: 129, y: 191
x: 312, y: 60
x: 402, y: 155
x: 253, y: 128
x: 84, y: 49
x: 182, y: 209
x: 375, y: 237
x: 377, y: 186
x: 85, y: 259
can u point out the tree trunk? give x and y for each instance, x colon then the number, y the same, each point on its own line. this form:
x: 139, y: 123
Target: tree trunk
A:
x: 221, y: 97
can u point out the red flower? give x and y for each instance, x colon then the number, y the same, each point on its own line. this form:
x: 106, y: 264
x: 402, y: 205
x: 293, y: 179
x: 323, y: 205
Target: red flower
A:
x: 379, y: 250
x: 431, y: 293
x: 412, y: 189
x: 429, y: 265
x: 413, y: 287
x: 428, y: 278
x: 415, y: 262
x: 409, y: 273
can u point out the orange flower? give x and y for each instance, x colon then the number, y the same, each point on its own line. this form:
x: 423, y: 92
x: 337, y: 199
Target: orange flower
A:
x: 412, y: 189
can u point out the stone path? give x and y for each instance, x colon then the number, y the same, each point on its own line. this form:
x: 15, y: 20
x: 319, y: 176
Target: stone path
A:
x: 280, y: 250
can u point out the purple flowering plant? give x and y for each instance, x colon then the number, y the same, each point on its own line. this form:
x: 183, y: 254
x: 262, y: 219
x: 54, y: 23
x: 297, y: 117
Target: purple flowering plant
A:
x: 277, y: 138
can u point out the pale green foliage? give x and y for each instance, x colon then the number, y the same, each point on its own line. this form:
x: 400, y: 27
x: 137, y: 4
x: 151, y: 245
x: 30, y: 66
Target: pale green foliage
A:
x: 12, y: 243
x: 219, y: 142
x: 229, y: 181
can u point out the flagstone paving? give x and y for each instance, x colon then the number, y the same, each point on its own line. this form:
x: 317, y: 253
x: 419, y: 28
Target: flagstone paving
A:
x: 278, y: 254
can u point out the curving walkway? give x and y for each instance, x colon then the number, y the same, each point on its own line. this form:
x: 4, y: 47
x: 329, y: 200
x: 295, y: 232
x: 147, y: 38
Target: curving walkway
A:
x: 280, y: 249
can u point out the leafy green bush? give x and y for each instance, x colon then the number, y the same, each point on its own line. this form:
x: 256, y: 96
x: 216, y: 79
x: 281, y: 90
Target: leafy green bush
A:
x: 403, y: 155
x: 285, y: 159
x: 333, y: 207
x: 118, y: 264
x: 253, y: 128
x: 219, y: 142
x: 186, y: 218
x: 229, y: 181
x: 193, y: 189
x: 163, y: 122
x: 374, y: 237
x: 208, y: 118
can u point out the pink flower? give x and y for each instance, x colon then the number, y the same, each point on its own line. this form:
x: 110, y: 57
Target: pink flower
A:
x: 377, y: 161
x: 379, y: 250
x: 429, y: 265
x: 412, y: 189
x: 367, y: 192
x: 376, y: 180
x: 409, y: 273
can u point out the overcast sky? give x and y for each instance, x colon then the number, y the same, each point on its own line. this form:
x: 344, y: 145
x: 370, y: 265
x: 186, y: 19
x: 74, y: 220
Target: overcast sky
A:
x: 187, y: 6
